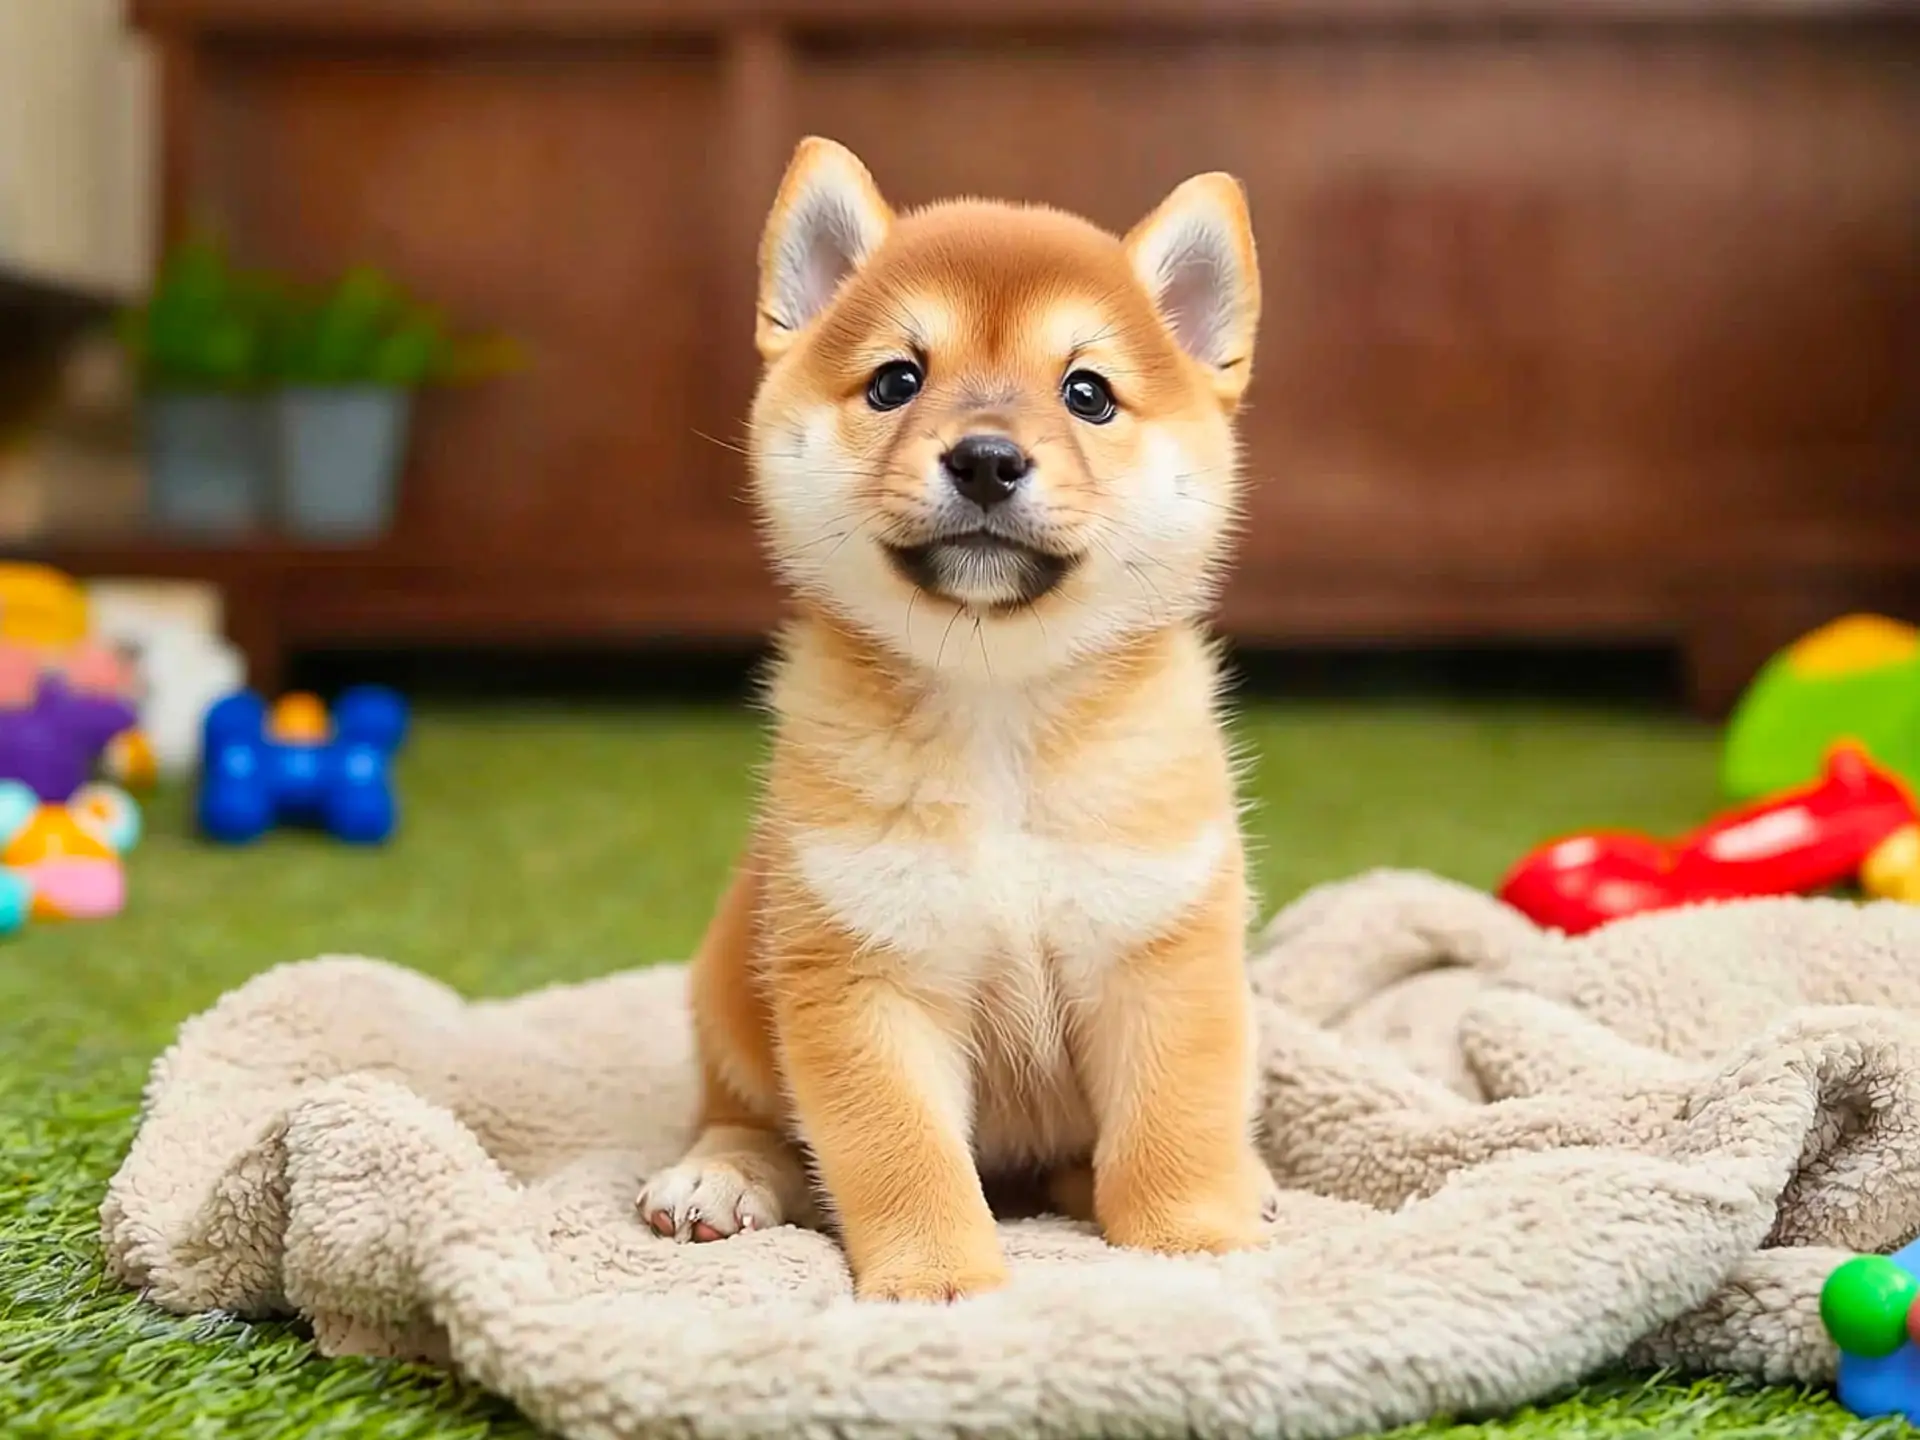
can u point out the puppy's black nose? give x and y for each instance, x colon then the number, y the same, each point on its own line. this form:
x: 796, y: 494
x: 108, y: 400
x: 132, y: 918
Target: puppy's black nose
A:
x: 986, y: 469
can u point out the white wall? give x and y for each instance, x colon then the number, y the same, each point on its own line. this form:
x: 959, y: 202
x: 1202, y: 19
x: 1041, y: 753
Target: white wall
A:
x: 77, y: 145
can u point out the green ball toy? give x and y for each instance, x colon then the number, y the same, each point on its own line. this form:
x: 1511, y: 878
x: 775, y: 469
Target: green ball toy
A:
x: 1856, y: 679
x: 1864, y: 1305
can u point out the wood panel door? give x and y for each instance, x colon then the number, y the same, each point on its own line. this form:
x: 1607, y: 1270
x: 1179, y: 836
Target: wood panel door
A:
x: 1596, y: 319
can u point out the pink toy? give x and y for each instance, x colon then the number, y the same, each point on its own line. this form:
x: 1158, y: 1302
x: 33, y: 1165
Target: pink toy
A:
x: 64, y: 862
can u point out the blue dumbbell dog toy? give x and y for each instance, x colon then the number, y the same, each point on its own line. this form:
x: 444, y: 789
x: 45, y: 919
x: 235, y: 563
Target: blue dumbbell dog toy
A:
x: 297, y: 765
x: 1869, y: 1307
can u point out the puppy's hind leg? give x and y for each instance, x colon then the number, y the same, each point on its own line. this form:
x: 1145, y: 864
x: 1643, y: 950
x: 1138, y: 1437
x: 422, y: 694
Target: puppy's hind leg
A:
x: 741, y: 1173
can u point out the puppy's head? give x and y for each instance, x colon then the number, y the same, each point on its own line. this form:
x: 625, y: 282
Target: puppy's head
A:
x: 997, y: 437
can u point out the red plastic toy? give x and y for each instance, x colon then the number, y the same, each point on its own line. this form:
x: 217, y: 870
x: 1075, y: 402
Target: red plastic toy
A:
x: 1804, y: 840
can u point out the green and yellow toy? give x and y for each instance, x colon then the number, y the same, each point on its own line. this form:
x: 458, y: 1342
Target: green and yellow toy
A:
x: 1856, y: 679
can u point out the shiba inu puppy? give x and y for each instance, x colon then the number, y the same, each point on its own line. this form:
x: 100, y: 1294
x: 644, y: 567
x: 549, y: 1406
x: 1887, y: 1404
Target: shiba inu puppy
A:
x: 992, y: 914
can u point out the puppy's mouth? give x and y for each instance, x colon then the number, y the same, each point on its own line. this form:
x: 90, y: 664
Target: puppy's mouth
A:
x: 981, y: 570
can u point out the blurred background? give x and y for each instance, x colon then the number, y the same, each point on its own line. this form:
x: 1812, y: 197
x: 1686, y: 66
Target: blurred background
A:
x: 1593, y: 325
x: 409, y: 340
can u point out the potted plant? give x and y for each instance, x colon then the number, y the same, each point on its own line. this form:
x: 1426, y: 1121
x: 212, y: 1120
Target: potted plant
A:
x: 348, y: 361
x: 197, y: 345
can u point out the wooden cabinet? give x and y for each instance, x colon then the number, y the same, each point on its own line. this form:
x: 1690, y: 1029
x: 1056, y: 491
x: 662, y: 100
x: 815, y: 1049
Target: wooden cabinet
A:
x: 1585, y: 318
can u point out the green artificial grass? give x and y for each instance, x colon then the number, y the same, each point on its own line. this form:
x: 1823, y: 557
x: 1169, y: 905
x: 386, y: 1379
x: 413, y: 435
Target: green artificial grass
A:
x: 550, y: 845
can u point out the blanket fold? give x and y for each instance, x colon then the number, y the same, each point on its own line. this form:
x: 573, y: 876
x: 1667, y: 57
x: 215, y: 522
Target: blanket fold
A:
x: 1509, y: 1160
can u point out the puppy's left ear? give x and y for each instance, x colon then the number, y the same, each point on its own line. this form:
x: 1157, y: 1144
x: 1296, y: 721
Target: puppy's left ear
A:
x: 1195, y: 256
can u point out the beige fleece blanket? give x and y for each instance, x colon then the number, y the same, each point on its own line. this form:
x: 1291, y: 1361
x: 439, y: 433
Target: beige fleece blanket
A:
x: 1510, y: 1160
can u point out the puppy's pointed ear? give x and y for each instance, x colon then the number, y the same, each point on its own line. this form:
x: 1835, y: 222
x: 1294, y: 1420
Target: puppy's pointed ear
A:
x: 1195, y: 255
x: 826, y: 220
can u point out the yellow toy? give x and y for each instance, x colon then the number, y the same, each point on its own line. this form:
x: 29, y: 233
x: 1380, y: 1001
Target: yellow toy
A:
x: 41, y: 607
x: 300, y: 719
x: 129, y: 760
x: 1892, y: 871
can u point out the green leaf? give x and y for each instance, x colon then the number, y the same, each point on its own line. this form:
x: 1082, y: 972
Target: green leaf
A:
x: 208, y: 325
x: 201, y: 328
x: 405, y: 358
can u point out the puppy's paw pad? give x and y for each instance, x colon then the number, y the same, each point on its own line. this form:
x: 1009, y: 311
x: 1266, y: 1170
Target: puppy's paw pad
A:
x: 707, y: 1199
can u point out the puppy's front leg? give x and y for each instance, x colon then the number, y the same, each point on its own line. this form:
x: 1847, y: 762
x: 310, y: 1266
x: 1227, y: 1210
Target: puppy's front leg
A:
x: 881, y: 1084
x: 1169, y: 1069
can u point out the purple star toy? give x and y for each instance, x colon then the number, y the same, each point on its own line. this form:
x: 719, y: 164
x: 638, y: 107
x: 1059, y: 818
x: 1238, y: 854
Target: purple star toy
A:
x: 53, y: 743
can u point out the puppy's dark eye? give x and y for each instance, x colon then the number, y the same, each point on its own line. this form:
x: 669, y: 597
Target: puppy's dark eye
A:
x: 1088, y: 397
x: 894, y: 384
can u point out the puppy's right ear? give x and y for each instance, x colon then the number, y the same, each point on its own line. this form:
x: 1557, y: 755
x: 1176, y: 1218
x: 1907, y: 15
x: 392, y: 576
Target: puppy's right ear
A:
x: 826, y: 220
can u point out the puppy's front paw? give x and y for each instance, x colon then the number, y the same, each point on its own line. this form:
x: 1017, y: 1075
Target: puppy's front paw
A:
x: 709, y: 1199
x: 1232, y: 1214
x: 1190, y: 1232
x: 920, y: 1280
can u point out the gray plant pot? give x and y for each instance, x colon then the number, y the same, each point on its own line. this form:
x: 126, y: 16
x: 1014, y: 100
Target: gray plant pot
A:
x: 340, y: 454
x: 209, y: 461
